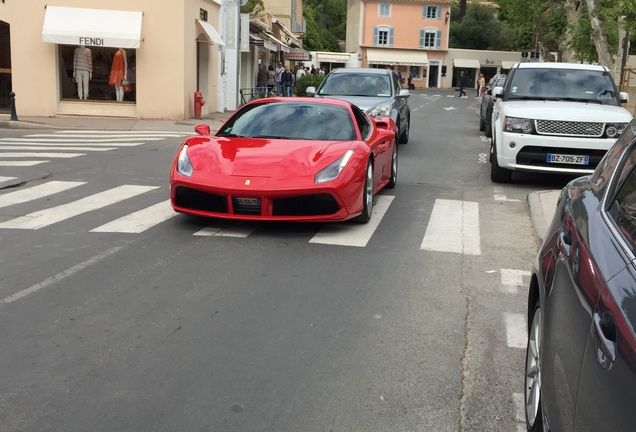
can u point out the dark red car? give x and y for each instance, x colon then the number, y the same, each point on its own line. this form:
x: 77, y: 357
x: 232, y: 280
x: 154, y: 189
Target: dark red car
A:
x: 581, y: 358
x: 287, y: 159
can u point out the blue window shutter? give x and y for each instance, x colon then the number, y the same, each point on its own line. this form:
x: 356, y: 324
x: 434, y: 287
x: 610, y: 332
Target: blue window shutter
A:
x: 422, y: 33
x: 391, y: 36
x: 439, y: 13
x: 424, y: 12
x: 438, y: 39
x: 375, y: 35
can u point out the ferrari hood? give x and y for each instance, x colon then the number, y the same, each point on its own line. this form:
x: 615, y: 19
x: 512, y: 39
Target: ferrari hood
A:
x: 270, y: 158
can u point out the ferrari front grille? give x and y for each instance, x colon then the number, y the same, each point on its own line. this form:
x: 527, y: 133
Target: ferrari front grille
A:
x: 310, y: 205
x: 202, y: 201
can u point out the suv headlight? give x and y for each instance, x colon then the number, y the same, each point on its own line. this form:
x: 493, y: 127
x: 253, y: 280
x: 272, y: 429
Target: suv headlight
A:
x: 614, y: 130
x: 334, y: 169
x: 184, y: 167
x: 518, y: 125
x: 380, y: 110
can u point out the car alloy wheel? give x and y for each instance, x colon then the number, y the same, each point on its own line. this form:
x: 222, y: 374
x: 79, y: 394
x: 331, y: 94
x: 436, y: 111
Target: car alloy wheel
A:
x: 532, y: 392
x: 367, y: 196
x: 394, y: 167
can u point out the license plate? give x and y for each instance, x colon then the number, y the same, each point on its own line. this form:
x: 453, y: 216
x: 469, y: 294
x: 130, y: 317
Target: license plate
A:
x: 568, y: 159
x: 247, y: 201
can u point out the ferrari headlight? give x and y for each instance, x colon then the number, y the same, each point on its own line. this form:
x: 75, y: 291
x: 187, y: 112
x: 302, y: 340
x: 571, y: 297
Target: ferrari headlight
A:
x: 380, y: 110
x: 518, y: 125
x: 184, y: 167
x: 334, y: 169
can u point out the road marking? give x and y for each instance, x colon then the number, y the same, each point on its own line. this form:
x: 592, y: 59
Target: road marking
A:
x: 227, y: 229
x: 453, y: 227
x: 512, y: 279
x: 450, y: 108
x: 141, y: 220
x: 73, y: 144
x: 516, y: 331
x: 499, y: 195
x: 520, y: 408
x: 41, y: 219
x: 483, y: 158
x: 346, y: 234
x: 58, y: 277
x: 36, y: 192
x: 32, y: 148
x: 5, y: 179
x: 82, y: 140
x: 21, y: 163
x: 46, y: 155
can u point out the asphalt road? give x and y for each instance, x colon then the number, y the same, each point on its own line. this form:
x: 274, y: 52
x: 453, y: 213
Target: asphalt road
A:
x: 198, y: 325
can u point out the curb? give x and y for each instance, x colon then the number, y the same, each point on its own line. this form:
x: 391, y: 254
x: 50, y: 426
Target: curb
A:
x: 10, y: 124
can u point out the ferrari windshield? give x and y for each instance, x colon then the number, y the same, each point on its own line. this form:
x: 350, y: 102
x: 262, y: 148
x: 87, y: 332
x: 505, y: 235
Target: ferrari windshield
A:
x: 291, y: 120
x: 352, y: 84
x: 578, y: 85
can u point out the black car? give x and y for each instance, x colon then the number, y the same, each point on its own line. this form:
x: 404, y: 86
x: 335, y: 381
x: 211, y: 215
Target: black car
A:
x: 378, y: 92
x: 580, y: 372
x: 487, y: 103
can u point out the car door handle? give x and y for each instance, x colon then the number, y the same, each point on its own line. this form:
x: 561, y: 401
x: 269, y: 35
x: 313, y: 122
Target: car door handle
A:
x: 603, y: 331
x: 565, y: 244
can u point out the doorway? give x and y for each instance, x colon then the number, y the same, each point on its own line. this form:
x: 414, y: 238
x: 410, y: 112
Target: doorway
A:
x: 5, y: 67
x: 433, y: 76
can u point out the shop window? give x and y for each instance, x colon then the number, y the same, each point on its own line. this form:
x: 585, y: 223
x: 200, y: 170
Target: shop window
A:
x: 97, y: 73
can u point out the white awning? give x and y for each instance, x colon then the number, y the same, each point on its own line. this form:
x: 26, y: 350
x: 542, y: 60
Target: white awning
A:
x: 92, y: 27
x: 506, y: 64
x: 467, y: 63
x: 396, y: 57
x: 213, y: 36
x: 260, y: 41
x: 333, y: 57
x: 283, y: 47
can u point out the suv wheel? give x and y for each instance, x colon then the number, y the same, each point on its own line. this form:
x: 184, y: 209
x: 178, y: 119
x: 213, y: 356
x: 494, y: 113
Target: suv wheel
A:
x: 498, y: 174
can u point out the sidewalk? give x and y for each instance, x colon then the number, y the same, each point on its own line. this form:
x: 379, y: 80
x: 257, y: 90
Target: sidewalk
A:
x: 542, y: 205
x: 215, y: 120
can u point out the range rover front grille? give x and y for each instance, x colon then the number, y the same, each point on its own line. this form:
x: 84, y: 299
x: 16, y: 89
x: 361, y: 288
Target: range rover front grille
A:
x: 568, y: 128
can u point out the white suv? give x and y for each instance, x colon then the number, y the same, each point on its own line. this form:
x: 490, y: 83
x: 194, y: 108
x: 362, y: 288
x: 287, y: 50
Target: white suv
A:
x: 554, y: 117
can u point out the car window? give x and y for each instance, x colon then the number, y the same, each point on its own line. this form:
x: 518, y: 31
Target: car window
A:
x: 364, y: 124
x: 570, y: 84
x: 623, y: 208
x: 287, y: 120
x: 397, y: 85
x: 356, y: 84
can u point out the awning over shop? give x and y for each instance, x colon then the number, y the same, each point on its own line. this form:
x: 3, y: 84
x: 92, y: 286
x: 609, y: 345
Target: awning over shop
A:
x: 213, y: 36
x: 297, y: 54
x: 333, y: 57
x: 397, y: 57
x: 467, y: 63
x: 283, y: 47
x: 506, y: 64
x: 92, y: 27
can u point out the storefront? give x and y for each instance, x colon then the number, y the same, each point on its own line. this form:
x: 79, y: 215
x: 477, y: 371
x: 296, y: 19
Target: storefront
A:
x: 401, y: 61
x: 141, y: 60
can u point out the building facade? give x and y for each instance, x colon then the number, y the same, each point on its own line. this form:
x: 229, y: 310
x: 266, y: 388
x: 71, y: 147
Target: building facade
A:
x: 143, y: 59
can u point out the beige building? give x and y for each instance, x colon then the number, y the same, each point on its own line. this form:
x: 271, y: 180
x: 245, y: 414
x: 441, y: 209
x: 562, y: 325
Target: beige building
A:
x: 143, y: 59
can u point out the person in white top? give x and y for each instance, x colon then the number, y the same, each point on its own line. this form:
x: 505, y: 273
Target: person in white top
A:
x: 82, y: 70
x: 300, y: 72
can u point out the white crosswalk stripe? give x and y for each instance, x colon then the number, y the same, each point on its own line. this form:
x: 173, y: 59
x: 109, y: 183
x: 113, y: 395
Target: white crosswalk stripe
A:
x: 43, y: 218
x: 35, y: 147
x: 36, y: 192
x: 6, y: 179
x: 225, y: 229
x: 141, y: 220
x: 453, y: 227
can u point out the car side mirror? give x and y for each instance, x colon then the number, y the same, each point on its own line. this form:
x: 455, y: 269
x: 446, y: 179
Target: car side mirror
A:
x: 311, y: 91
x: 497, y: 92
x: 624, y: 97
x: 404, y: 93
x: 202, y: 129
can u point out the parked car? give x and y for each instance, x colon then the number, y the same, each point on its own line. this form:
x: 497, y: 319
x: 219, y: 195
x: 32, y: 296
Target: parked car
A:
x: 287, y: 159
x: 378, y: 92
x: 580, y: 372
x: 556, y: 118
x: 487, y: 102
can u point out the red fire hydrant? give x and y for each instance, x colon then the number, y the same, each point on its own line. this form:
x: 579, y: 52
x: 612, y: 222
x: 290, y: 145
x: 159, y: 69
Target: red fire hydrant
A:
x: 198, y: 103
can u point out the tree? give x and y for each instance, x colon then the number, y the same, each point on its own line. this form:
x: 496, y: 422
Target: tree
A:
x: 253, y: 7
x: 480, y: 29
x: 326, y: 24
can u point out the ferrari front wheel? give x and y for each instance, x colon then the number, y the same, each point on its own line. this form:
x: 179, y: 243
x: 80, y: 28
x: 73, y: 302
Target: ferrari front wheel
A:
x: 367, y: 196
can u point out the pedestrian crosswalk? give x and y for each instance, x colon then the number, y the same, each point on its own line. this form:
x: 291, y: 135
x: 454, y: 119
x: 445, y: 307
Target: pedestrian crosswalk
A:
x: 39, y: 148
x: 54, y: 202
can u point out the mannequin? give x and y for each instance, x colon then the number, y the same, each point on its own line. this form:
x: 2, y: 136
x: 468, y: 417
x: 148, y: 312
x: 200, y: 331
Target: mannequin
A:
x: 82, y: 70
x: 119, y: 73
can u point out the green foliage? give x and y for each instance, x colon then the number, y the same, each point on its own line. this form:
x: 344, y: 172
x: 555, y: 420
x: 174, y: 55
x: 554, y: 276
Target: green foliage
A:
x: 479, y: 29
x: 307, y: 81
x: 326, y: 24
x: 253, y: 7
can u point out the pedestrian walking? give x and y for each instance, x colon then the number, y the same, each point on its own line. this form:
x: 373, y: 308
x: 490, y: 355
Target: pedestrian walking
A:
x: 271, y: 80
x: 300, y: 73
x: 261, y: 81
x: 280, y: 70
x: 463, y: 80
x: 288, y: 80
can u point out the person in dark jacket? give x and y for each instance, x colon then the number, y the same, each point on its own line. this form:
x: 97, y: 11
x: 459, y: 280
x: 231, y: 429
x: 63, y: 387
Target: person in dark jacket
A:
x: 463, y: 80
x: 288, y: 81
x: 261, y: 81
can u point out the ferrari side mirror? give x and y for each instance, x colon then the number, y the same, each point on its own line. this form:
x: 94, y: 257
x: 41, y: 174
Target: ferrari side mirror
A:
x: 202, y: 129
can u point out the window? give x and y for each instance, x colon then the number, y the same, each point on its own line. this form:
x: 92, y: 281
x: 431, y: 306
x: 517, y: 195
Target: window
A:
x: 384, y: 10
x: 432, y: 12
x: 430, y: 38
x: 383, y: 36
x: 96, y: 73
